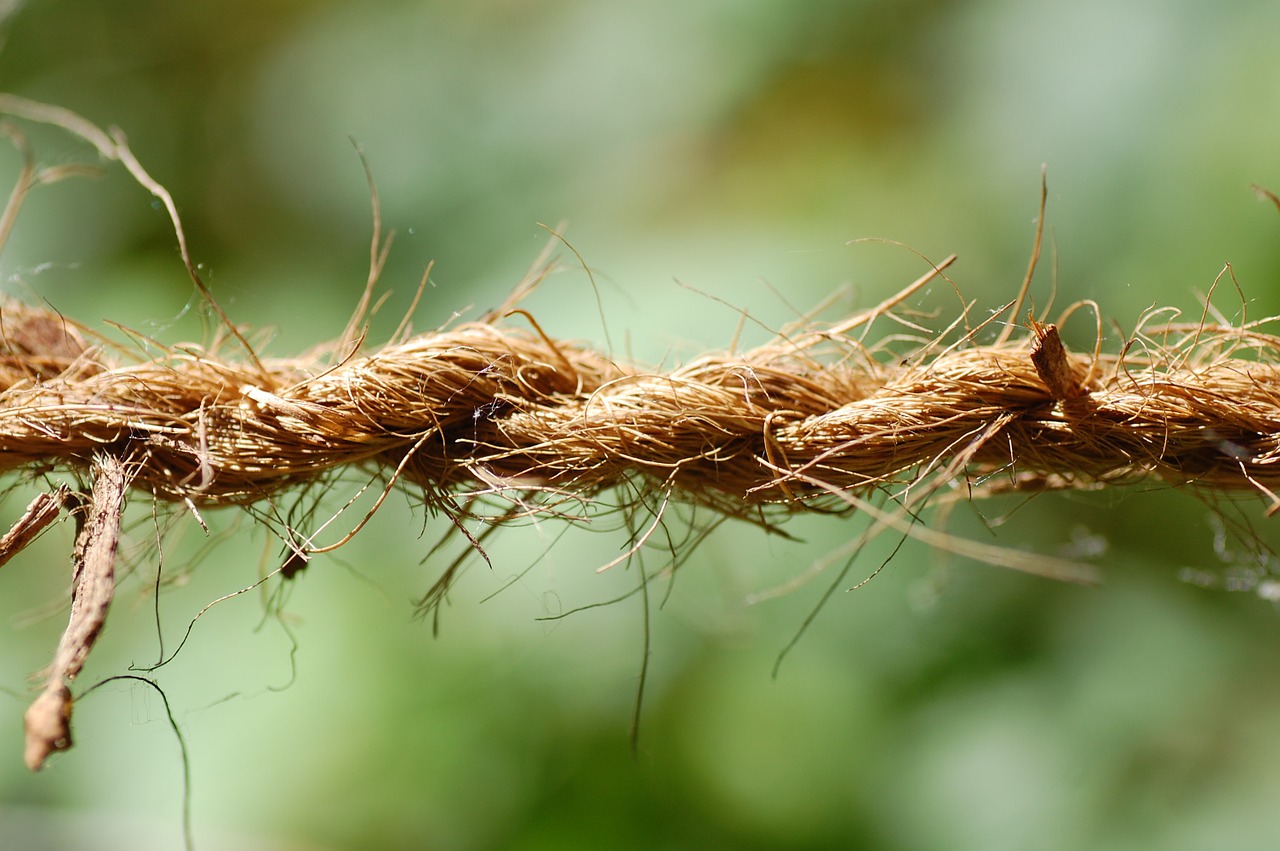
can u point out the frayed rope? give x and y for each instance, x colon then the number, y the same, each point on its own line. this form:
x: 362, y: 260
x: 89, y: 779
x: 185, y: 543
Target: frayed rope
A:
x: 807, y: 419
x: 816, y: 419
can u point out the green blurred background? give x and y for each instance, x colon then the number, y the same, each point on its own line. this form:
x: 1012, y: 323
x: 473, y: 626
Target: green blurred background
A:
x: 737, y: 148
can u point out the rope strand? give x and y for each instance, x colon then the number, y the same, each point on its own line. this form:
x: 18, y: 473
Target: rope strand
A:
x: 482, y: 403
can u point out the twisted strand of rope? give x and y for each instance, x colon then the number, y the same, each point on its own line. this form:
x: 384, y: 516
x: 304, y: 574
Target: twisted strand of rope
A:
x: 814, y: 419
x: 799, y: 421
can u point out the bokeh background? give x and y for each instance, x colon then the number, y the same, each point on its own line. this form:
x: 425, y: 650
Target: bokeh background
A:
x: 700, y: 154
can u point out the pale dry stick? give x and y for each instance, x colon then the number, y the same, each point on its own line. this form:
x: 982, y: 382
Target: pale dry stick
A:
x: 48, y: 719
x: 41, y: 512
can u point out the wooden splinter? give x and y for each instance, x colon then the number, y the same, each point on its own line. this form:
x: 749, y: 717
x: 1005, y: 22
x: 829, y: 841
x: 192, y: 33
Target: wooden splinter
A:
x: 48, y: 719
x: 42, y: 511
x: 1055, y: 369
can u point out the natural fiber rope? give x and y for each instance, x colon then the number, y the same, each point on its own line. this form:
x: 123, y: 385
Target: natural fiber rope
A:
x: 812, y: 414
x: 815, y: 415
x: 815, y: 419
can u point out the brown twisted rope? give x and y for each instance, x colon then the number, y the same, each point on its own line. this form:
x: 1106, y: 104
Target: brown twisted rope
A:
x: 813, y: 416
x: 816, y: 419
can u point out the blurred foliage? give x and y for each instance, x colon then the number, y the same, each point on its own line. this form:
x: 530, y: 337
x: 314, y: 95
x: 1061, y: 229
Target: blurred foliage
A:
x: 737, y: 148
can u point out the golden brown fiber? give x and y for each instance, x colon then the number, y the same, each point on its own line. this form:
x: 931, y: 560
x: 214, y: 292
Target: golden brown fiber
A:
x: 809, y: 417
x: 818, y: 418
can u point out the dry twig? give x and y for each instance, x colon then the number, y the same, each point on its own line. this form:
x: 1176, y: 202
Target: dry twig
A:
x: 48, y: 719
